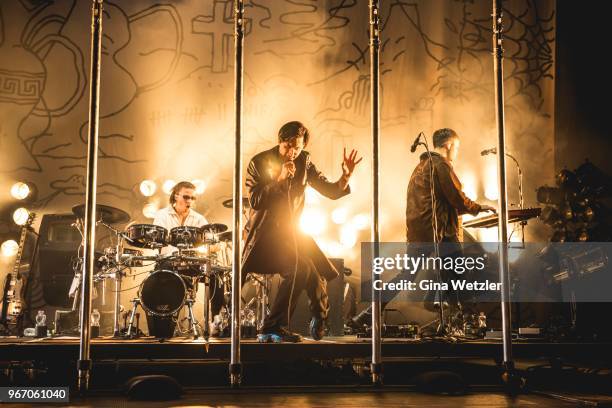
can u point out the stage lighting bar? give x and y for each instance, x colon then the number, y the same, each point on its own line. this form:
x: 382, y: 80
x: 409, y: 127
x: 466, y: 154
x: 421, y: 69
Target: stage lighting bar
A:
x: 168, y: 186
x: 150, y: 209
x: 200, y: 186
x: 9, y: 248
x: 22, y: 191
x: 20, y: 216
x: 148, y: 188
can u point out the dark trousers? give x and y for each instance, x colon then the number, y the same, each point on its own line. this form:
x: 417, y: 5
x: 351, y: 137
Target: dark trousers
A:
x: 306, y: 278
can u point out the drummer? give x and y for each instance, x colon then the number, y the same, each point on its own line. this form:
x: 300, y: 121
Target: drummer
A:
x: 179, y: 213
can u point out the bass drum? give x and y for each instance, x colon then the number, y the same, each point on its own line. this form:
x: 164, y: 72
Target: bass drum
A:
x: 162, y: 293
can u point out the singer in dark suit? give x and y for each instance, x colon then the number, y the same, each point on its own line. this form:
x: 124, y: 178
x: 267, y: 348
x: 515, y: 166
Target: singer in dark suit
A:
x: 276, y: 181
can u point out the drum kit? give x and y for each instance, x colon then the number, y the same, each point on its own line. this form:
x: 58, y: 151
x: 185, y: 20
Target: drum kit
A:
x: 200, y: 255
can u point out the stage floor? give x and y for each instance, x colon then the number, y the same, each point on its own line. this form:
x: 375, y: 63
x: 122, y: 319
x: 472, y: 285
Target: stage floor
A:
x: 330, y: 348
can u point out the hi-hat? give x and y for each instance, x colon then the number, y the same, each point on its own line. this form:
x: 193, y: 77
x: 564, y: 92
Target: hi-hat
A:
x: 214, y: 228
x: 104, y: 213
x: 225, y: 236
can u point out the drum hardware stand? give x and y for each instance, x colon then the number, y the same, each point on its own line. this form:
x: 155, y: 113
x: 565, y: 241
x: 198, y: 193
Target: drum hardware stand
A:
x: 135, y: 304
x: 193, y: 323
x: 118, y: 275
x: 261, y: 299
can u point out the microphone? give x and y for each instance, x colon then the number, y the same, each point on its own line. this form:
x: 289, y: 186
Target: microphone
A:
x: 415, y: 143
x: 290, y: 178
x: 492, y: 150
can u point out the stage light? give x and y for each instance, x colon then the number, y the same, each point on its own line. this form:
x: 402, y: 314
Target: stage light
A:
x: 202, y: 249
x: 20, y: 190
x: 150, y: 209
x: 9, y: 248
x: 348, y: 236
x: 20, y: 216
x: 361, y: 221
x: 200, y: 186
x: 313, y: 221
x: 550, y: 195
x: 168, y: 186
x: 148, y: 188
x: 339, y: 215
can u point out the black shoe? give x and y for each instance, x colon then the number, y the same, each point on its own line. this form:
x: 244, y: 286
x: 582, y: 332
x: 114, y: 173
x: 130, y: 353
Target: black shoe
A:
x: 277, y: 335
x: 317, y: 328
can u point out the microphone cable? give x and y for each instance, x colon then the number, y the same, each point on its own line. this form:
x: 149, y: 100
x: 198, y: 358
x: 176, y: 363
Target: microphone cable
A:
x: 295, y: 248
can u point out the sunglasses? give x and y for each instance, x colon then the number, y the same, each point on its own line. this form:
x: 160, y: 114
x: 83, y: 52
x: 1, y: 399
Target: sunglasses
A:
x: 187, y: 197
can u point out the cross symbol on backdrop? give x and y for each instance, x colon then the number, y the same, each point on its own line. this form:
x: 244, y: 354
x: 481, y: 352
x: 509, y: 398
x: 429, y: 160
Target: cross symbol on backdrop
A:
x: 220, y: 27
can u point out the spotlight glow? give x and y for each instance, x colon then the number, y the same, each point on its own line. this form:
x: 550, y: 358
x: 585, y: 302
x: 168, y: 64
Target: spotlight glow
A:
x: 150, y: 209
x: 361, y: 221
x: 491, y: 190
x: 348, y: 236
x: 20, y: 216
x: 312, y: 197
x: 469, y: 185
x: 313, y: 221
x: 335, y: 250
x: 168, y: 186
x: 9, y: 248
x: 148, y: 188
x: 200, y: 186
x: 20, y: 191
x: 339, y: 215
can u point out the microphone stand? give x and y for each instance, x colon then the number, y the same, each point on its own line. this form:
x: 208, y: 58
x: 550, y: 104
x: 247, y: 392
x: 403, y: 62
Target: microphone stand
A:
x: 520, y: 191
x: 441, y: 329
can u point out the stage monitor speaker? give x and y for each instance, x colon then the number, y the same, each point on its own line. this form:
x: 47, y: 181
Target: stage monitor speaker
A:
x: 59, y: 242
x: 300, y: 320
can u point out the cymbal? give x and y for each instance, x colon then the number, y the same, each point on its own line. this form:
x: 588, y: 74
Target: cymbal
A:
x: 214, y: 228
x: 225, y: 236
x: 229, y: 203
x: 104, y: 213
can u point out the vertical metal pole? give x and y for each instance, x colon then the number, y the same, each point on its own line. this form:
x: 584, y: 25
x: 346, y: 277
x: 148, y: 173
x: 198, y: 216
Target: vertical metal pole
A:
x: 235, y: 367
x: 376, y: 367
x: 84, y: 363
x: 503, y: 193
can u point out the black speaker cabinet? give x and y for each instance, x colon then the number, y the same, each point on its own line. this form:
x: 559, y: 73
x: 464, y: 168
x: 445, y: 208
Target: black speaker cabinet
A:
x: 59, y: 243
x: 335, y: 291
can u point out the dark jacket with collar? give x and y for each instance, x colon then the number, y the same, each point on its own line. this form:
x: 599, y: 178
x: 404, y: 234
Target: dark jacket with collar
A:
x: 451, y: 202
x: 270, y: 243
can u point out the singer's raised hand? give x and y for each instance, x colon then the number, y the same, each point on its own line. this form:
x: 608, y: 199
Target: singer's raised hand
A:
x: 287, y: 170
x: 349, y: 162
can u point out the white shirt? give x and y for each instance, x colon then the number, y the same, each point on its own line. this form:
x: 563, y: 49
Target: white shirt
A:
x: 168, y: 218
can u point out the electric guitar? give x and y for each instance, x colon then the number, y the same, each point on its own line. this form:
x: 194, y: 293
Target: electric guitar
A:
x: 12, y: 304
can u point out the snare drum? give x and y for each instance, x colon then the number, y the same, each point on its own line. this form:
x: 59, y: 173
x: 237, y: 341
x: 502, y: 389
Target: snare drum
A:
x: 189, y: 263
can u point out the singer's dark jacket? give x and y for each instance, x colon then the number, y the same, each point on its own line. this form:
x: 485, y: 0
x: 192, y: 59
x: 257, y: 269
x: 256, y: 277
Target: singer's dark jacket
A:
x: 269, y: 245
x: 451, y: 202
